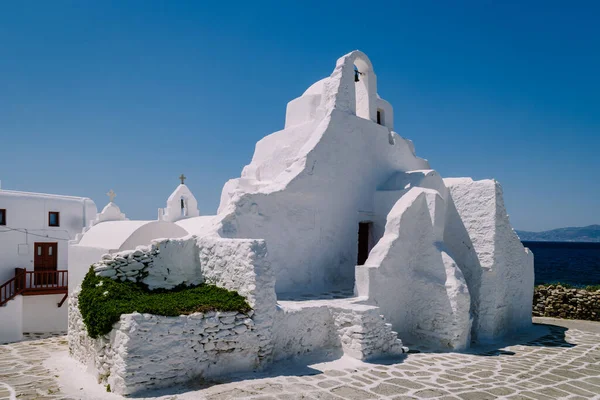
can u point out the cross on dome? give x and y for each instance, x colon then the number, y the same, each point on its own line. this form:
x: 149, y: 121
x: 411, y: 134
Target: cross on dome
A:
x: 111, y: 195
x: 183, y: 178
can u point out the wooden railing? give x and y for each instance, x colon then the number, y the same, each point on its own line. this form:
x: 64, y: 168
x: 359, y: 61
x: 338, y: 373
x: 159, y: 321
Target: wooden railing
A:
x: 11, y: 289
x: 30, y: 283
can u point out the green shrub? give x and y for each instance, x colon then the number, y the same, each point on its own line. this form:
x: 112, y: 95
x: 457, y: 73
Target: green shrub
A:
x: 102, y: 301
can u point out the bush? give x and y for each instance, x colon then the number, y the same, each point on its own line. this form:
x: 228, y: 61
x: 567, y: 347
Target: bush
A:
x: 102, y: 301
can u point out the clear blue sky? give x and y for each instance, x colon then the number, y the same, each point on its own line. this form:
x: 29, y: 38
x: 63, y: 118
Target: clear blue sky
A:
x: 128, y: 95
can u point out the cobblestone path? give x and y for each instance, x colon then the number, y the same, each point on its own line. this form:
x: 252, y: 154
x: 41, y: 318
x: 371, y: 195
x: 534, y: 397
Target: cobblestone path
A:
x: 564, y: 364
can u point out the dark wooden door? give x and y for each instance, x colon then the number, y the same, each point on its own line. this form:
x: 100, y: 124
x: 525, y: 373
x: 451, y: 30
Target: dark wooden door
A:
x: 45, y: 262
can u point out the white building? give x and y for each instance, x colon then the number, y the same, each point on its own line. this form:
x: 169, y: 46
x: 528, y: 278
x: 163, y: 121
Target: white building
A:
x: 55, y: 239
x: 35, y: 229
x: 337, y: 202
x: 112, y: 232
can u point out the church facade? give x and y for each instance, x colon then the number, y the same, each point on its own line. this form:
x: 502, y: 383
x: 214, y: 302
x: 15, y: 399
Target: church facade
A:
x: 342, y: 239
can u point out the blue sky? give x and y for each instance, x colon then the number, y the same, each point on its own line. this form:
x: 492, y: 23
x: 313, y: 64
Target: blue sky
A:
x: 128, y: 95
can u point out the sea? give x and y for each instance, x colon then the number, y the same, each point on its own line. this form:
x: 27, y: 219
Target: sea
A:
x: 574, y: 263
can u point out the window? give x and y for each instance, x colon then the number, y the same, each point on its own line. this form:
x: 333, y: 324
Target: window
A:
x: 380, y: 116
x: 2, y: 216
x: 53, y: 218
x: 183, y: 209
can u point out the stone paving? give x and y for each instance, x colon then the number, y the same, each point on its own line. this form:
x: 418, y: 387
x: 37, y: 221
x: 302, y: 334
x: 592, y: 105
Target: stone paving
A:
x: 563, y: 364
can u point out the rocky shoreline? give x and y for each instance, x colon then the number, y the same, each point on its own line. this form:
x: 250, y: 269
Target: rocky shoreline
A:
x: 569, y: 303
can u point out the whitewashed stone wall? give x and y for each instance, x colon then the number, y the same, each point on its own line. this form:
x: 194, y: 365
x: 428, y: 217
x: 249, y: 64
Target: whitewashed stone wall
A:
x: 413, y: 279
x: 146, y: 351
x: 241, y: 265
x: 496, y: 266
x: 328, y: 329
x: 364, y: 332
x: 166, y: 263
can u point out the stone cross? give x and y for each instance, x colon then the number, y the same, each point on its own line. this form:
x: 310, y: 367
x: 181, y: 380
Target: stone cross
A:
x: 111, y: 195
x: 183, y: 178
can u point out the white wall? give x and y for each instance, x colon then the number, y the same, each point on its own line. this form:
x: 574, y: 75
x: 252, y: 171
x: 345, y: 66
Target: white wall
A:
x: 173, y: 211
x: 302, y: 110
x: 41, y: 314
x: 81, y: 259
x: 132, y: 234
x: 311, y: 223
x: 497, y: 268
x: 412, y: 278
x: 30, y: 211
x: 153, y: 230
x: 11, y: 322
x: 148, y: 351
x: 307, y: 186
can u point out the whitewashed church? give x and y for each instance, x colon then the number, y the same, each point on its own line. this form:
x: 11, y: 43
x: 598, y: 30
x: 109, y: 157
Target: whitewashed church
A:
x: 341, y: 238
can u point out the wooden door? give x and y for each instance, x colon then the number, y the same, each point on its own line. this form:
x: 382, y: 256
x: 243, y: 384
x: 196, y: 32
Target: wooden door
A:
x: 45, y: 262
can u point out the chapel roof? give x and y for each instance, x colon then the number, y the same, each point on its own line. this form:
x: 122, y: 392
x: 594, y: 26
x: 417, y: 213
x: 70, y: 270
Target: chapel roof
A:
x: 115, y: 235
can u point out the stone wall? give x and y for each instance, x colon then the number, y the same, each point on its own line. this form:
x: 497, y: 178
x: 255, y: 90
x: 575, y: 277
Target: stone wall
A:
x: 329, y: 328
x: 145, y: 351
x: 560, y: 302
x: 165, y: 264
x: 364, y: 333
x: 241, y: 265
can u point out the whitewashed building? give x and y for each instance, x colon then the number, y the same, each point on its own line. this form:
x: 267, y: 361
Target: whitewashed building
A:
x: 342, y: 240
x: 111, y: 231
x: 48, y: 243
x: 35, y: 230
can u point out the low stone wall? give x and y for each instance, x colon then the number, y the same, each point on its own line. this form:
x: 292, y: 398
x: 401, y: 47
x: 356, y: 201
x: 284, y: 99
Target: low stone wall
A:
x: 165, y: 264
x: 241, y: 265
x: 560, y: 302
x: 364, y: 332
x: 145, y: 351
x: 328, y: 328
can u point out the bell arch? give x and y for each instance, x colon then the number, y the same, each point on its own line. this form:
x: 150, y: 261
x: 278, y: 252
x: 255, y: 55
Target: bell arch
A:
x: 352, y: 87
x: 363, y: 77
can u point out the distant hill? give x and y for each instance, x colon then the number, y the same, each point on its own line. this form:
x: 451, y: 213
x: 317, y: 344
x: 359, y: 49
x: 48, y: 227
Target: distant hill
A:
x: 582, y: 234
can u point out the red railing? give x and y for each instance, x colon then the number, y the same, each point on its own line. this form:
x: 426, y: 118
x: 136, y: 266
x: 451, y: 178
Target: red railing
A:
x: 29, y: 283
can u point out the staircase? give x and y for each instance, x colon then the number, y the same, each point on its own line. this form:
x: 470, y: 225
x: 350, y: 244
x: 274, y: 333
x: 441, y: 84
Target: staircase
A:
x: 358, y: 329
x: 34, y: 283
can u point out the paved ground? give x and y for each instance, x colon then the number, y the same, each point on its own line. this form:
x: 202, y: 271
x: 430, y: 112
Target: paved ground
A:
x: 565, y: 363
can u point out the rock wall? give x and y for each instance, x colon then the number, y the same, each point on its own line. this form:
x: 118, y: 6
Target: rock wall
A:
x: 364, y: 333
x: 146, y: 351
x: 165, y: 264
x: 241, y: 265
x: 560, y: 302
x: 329, y: 328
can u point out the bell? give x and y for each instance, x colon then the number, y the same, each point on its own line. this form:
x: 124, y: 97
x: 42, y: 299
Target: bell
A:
x: 356, y: 75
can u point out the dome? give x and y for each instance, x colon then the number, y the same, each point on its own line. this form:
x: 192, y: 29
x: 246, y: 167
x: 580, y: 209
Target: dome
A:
x: 124, y: 235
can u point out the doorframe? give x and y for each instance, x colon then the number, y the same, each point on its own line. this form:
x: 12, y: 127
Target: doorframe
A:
x: 44, y: 279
